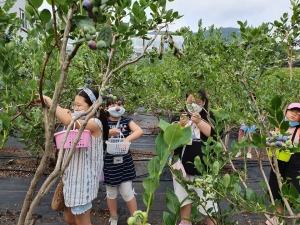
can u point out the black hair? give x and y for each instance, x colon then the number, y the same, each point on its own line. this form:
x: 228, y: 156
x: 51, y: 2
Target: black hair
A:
x: 202, y: 95
x: 119, y: 100
x: 102, y: 115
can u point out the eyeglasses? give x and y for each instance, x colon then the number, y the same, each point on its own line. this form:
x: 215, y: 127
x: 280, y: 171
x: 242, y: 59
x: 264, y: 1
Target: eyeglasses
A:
x: 76, y: 107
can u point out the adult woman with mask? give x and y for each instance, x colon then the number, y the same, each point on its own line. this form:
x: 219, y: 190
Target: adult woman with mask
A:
x: 288, y: 170
x: 119, y: 171
x: 197, y: 115
x: 81, y: 177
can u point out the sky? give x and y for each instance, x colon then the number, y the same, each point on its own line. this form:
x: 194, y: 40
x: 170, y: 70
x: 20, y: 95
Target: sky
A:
x: 224, y: 13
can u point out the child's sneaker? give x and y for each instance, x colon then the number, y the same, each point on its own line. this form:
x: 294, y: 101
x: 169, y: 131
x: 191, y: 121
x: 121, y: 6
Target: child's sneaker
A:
x: 113, y: 220
x: 238, y: 155
x: 249, y: 155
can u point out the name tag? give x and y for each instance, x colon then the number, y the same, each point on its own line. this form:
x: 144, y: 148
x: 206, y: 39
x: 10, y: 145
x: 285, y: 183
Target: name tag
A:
x: 118, y: 159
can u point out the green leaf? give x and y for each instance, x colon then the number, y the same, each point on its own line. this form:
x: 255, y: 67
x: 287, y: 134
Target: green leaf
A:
x: 45, y: 16
x: 136, y: 9
x: 154, y: 166
x: 29, y: 9
x: 198, y: 164
x: 276, y: 103
x: 5, y: 68
x: 285, y: 189
x: 163, y: 124
x: 216, y: 167
x: 186, y: 137
x: 105, y: 34
x: 80, y: 41
x: 36, y: 3
x: 161, y: 147
x: 82, y: 21
x: 148, y: 199
x: 173, y: 203
x: 175, y: 15
x: 249, y: 193
x: 279, y: 116
x: 256, y: 139
x: 123, y: 28
x: 172, y: 134
x: 33, y: 84
x: 153, y: 7
x: 168, y: 219
x: 273, y: 122
x: 143, y: 3
x: 8, y: 5
x: 12, y: 15
x: 237, y: 188
x: 226, y: 180
x: 284, y: 125
x: 61, y: 2
x: 169, y: 14
x: 162, y: 3
x: 293, y: 191
x: 151, y: 184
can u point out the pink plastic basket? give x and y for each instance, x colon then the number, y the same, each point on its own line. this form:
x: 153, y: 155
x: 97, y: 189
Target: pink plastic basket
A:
x: 82, y: 143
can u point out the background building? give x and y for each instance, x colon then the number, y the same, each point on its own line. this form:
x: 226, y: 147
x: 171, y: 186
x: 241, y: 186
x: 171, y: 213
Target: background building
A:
x: 19, y: 8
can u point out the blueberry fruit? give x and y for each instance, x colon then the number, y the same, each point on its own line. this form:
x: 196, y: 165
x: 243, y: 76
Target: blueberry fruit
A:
x: 87, y: 5
x: 279, y: 137
x: 88, y: 80
x: 285, y: 138
x: 278, y: 143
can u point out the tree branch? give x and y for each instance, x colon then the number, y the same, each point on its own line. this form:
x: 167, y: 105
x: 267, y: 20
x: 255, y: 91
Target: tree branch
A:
x: 109, y: 75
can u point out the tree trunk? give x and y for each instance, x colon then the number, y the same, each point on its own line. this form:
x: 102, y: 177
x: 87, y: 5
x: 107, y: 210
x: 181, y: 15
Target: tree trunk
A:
x: 49, y: 121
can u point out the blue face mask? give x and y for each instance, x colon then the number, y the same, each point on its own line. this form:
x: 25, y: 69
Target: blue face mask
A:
x: 77, y: 113
x: 116, y: 111
x: 292, y: 124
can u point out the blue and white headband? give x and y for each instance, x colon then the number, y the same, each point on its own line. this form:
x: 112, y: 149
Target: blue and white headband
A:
x: 90, y: 94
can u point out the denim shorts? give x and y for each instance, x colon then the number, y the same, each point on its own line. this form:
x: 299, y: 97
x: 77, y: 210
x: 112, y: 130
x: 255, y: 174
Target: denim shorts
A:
x: 80, y: 209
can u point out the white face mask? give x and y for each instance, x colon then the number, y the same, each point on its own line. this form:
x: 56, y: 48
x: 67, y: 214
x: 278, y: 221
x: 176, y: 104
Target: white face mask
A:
x: 77, y: 113
x: 116, y: 111
x: 194, y: 108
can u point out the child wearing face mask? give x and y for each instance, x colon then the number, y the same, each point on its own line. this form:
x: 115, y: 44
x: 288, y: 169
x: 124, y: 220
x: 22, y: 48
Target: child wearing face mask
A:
x: 81, y: 177
x: 119, y: 171
x: 246, y: 131
x: 196, y: 117
x: 289, y: 170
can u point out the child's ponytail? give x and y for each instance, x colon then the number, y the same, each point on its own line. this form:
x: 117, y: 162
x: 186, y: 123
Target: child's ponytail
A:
x: 103, y: 118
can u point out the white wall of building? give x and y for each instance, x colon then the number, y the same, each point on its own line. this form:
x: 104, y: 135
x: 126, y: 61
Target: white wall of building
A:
x: 19, y: 8
x: 137, y: 43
